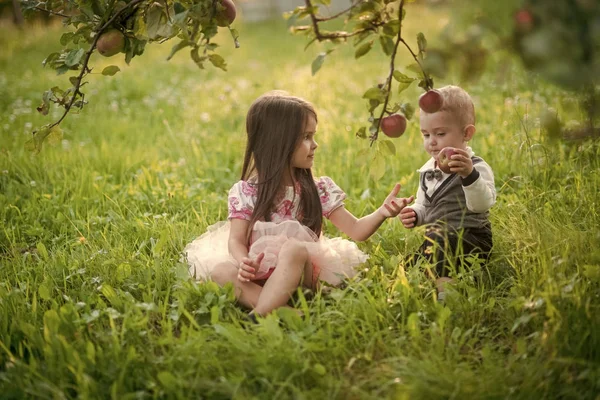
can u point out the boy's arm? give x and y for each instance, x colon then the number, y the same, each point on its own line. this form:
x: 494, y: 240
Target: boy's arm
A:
x: 479, y: 188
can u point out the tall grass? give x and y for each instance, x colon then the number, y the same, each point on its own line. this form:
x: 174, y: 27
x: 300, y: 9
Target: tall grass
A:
x: 95, y: 303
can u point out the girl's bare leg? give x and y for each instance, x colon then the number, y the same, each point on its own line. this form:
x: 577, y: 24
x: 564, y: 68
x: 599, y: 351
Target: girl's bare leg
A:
x: 292, y: 265
x: 247, y: 293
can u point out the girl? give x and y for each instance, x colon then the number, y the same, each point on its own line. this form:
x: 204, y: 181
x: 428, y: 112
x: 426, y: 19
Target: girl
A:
x: 273, y: 235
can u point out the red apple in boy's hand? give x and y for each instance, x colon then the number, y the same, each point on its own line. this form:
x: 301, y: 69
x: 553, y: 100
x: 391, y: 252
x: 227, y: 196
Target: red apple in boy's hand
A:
x: 444, y: 157
x: 394, y: 125
x: 431, y: 101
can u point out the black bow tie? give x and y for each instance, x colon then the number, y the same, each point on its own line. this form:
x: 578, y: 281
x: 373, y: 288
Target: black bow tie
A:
x: 433, y: 174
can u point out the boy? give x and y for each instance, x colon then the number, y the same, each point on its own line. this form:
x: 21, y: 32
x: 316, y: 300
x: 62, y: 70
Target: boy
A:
x: 454, y: 206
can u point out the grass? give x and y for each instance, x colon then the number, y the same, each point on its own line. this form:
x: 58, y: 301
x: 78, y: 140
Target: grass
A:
x: 94, y: 302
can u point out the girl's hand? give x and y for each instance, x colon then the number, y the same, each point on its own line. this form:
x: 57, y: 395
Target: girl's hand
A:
x: 248, y: 267
x: 408, y: 217
x: 393, y: 205
x: 461, y: 163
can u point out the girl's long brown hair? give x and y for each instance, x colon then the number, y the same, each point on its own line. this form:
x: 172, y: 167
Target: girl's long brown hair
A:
x: 275, y: 125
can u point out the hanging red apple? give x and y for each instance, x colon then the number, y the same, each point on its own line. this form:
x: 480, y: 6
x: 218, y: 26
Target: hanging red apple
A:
x: 524, y: 20
x: 431, y: 101
x: 394, y: 125
x: 227, y: 15
x: 110, y: 42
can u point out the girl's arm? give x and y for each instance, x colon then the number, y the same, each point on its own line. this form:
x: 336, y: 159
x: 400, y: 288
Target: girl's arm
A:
x: 238, y: 248
x: 360, y: 229
x: 238, y: 245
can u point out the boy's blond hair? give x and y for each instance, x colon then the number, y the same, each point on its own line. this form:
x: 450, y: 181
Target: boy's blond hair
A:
x: 458, y: 102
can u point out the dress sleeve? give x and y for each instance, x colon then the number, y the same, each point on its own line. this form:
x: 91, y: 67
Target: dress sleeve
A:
x: 242, y: 197
x: 331, y: 195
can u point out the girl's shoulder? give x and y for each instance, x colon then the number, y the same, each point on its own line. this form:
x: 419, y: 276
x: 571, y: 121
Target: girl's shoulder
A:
x: 330, y: 194
x: 243, y: 189
x: 326, y: 183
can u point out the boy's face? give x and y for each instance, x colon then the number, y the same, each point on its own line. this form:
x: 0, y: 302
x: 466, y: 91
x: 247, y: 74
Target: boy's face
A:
x: 441, y: 129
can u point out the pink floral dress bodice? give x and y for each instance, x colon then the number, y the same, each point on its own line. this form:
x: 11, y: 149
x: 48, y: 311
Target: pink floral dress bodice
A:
x: 242, y: 199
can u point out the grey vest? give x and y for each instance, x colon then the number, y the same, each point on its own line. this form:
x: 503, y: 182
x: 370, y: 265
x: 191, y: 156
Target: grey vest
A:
x: 448, y: 204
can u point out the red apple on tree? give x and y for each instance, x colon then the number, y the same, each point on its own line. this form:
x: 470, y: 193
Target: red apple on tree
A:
x: 110, y: 42
x: 524, y: 20
x: 226, y: 15
x: 394, y: 125
x: 444, y: 157
x: 431, y: 101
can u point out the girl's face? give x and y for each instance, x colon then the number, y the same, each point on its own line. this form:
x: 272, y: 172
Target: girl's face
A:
x: 304, y: 154
x: 441, y: 130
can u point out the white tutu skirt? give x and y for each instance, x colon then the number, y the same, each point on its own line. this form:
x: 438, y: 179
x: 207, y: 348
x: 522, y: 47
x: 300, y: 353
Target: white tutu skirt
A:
x: 334, y: 259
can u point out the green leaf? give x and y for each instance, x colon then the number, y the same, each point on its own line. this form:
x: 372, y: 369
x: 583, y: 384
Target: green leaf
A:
x: 45, y: 106
x: 400, y: 77
x: 421, y: 42
x: 55, y: 135
x: 30, y: 145
x: 110, y: 70
x: 154, y: 23
x: 373, y: 104
x: 44, y: 292
x: 235, y: 35
x: 387, y: 147
x: 42, y: 251
x: 66, y: 38
x: 375, y: 94
x: 362, y: 157
x: 197, y: 58
x: 35, y: 144
x: 74, y: 57
x: 318, y: 62
x: 413, y: 326
x: 414, y: 67
x: 320, y: 369
x: 363, y: 49
x: 387, y: 44
x: 184, y: 43
x: 408, y: 110
x: 377, y: 168
x: 111, y: 295
x: 140, y: 29
x: 362, y: 133
x: 392, y: 27
x: 167, y: 380
x: 218, y: 61
x: 50, y: 59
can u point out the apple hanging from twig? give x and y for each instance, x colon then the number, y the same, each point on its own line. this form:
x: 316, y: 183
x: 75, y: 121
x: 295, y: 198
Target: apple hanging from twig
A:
x: 431, y: 101
x: 110, y: 42
x: 227, y: 15
x: 394, y: 125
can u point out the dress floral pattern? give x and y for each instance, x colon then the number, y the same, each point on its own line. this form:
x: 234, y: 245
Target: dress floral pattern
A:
x: 242, y: 199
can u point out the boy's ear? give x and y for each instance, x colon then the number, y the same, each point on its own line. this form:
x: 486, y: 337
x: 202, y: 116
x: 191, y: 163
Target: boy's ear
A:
x: 469, y: 132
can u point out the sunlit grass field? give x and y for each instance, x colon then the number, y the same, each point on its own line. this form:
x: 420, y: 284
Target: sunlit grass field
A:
x: 95, y: 303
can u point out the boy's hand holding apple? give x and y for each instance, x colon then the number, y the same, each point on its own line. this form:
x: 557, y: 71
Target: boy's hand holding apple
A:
x: 453, y: 160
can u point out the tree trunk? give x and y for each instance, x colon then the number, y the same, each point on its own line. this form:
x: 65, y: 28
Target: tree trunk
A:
x: 17, y: 14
